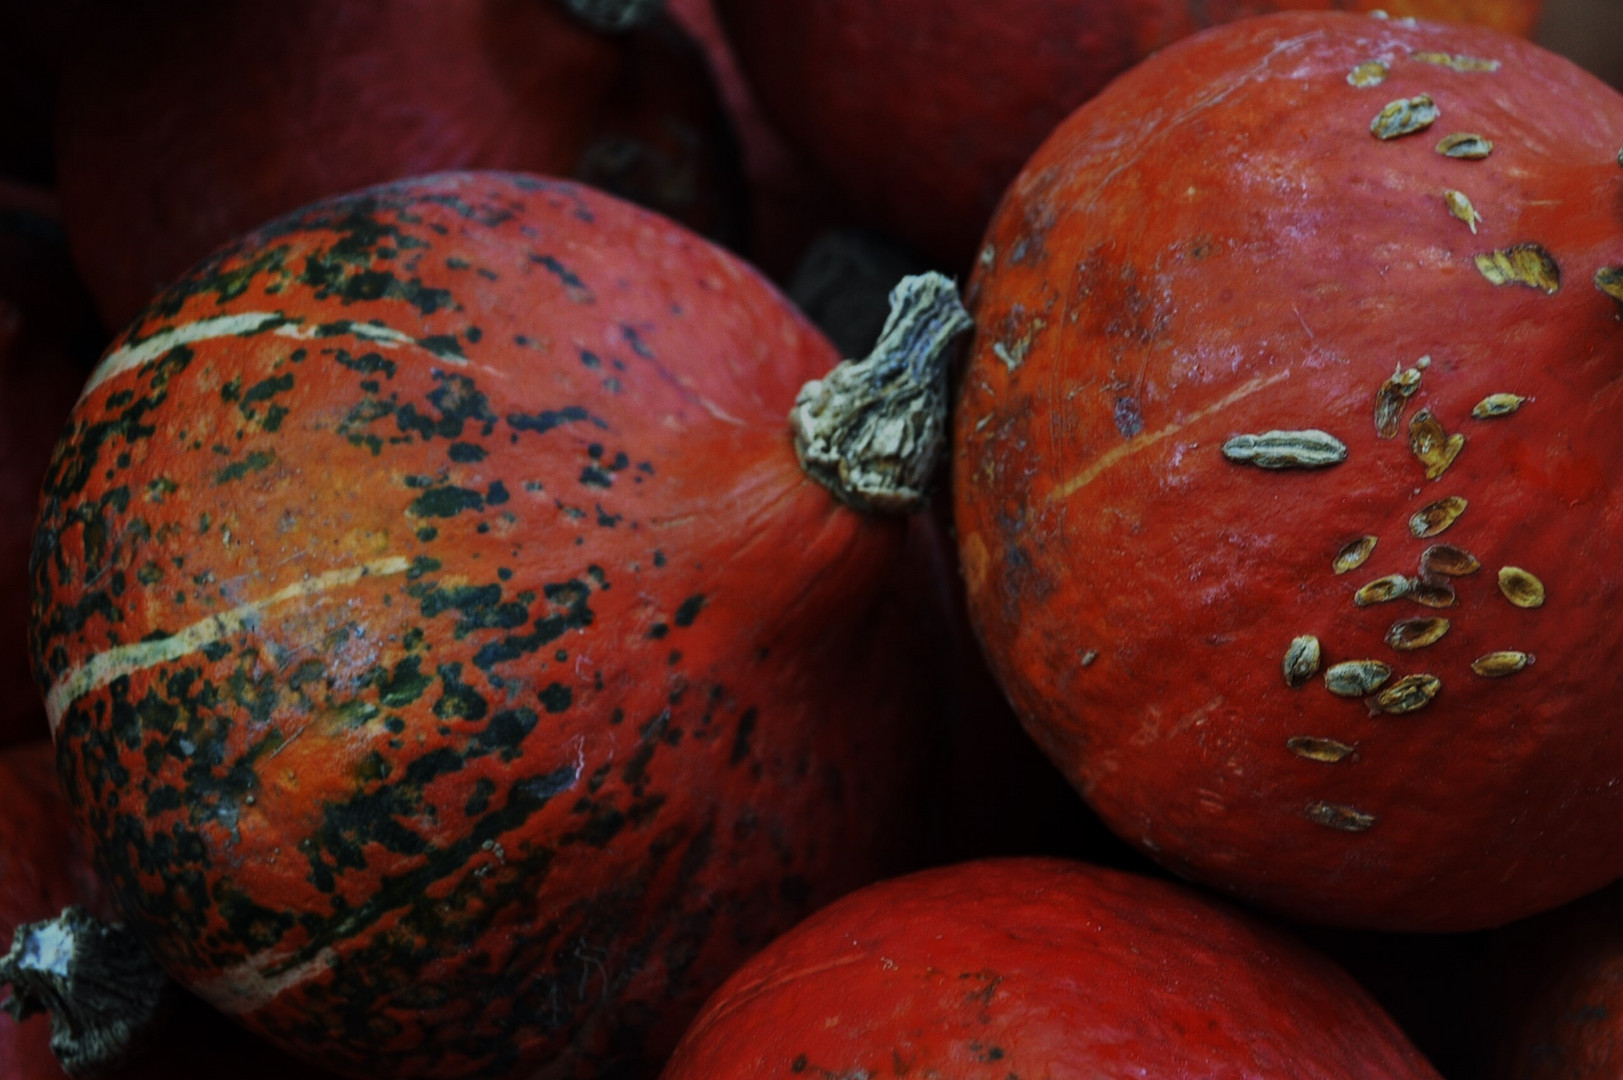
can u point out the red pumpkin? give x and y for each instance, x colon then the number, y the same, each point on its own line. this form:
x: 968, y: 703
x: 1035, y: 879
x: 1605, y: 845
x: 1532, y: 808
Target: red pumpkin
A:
x: 1041, y: 968
x: 453, y: 668
x: 1383, y: 692
x: 180, y: 127
x: 922, y: 111
x: 48, y: 342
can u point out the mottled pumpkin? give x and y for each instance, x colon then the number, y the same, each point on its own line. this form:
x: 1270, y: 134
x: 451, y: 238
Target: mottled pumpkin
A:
x: 451, y: 666
x: 1042, y: 968
x: 1285, y: 466
x: 922, y: 111
x: 180, y: 127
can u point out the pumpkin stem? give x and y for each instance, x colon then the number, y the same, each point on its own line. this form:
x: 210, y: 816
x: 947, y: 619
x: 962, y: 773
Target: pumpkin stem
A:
x: 102, y: 988
x: 872, y: 431
x: 614, y: 16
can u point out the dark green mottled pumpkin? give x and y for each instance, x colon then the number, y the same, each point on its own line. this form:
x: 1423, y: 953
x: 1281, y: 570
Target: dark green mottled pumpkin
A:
x: 449, y: 663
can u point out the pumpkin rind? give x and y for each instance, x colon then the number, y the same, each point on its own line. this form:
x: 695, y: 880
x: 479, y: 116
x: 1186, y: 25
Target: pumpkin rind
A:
x: 450, y: 665
x: 1217, y: 248
x: 1042, y: 968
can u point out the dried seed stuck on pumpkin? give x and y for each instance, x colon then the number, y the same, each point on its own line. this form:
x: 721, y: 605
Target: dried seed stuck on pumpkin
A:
x: 1433, y: 518
x: 1408, y: 694
x: 1448, y: 561
x: 1497, y: 405
x: 1369, y: 73
x: 1312, y: 748
x: 1432, y: 594
x: 1521, y: 264
x: 1382, y: 590
x: 1307, y: 449
x: 1355, y: 678
x: 1460, y: 206
x: 1336, y: 816
x: 1301, y: 660
x: 1521, y: 588
x: 1405, y: 116
x: 1435, y: 448
x: 1609, y: 280
x: 1407, y: 634
x: 1456, y: 61
x: 1392, y: 398
x: 1467, y: 145
x: 1496, y: 665
x: 1353, y: 554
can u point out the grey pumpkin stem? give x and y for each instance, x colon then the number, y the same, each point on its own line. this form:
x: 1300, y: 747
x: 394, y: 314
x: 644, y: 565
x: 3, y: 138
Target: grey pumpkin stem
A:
x: 102, y: 988
x: 873, y: 431
x: 614, y: 16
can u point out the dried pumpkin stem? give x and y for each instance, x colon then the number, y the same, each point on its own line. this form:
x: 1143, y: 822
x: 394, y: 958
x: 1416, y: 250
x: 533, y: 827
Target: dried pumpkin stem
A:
x: 873, y: 431
x: 98, y: 982
x: 614, y: 16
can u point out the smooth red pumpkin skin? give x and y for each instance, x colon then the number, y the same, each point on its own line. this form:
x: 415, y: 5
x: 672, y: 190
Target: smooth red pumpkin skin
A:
x: 48, y: 342
x: 611, y: 704
x: 922, y: 111
x: 1042, y: 968
x: 1217, y: 245
x: 180, y: 128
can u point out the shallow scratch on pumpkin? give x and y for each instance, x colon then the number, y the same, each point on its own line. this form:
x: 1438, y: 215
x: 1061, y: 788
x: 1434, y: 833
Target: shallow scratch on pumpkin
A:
x: 104, y: 667
x: 138, y: 354
x: 245, y: 987
x: 1113, y: 457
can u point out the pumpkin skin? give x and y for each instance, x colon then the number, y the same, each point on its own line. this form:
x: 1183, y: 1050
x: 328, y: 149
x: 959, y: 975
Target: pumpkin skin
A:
x: 179, y: 129
x: 1039, y: 967
x: 1139, y: 303
x: 922, y: 111
x: 530, y: 685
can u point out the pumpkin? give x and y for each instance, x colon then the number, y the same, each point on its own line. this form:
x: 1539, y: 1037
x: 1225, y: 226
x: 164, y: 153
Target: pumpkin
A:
x: 1283, y: 466
x: 922, y: 111
x: 1043, y: 968
x: 179, y: 128
x: 48, y: 343
x: 453, y: 670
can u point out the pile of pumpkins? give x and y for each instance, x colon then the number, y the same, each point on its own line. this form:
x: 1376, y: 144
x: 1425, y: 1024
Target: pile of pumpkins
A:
x: 969, y: 538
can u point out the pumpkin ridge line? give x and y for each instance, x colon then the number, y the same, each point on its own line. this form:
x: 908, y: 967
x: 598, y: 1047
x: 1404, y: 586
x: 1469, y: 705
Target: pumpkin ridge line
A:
x: 102, y: 668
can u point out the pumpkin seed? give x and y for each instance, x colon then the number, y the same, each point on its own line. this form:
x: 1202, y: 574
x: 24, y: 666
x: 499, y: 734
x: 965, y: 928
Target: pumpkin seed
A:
x: 1382, y: 590
x: 1455, y: 61
x: 1465, y: 144
x: 1309, y: 449
x: 1301, y: 660
x: 1336, y: 816
x: 1433, y: 518
x: 1521, y: 588
x: 1496, y: 665
x: 1369, y: 73
x: 1355, y: 678
x: 1405, y: 116
x: 1432, y: 594
x: 1353, y: 554
x: 1447, y: 560
x: 1435, y: 448
x: 1328, y: 751
x: 1461, y: 207
x: 1408, y: 694
x: 1521, y: 264
x: 1497, y: 405
x: 1609, y: 280
x: 1392, y: 398
x: 1407, y: 634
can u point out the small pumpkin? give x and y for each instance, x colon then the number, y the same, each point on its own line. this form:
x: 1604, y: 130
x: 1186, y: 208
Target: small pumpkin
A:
x: 1039, y: 967
x: 452, y: 667
x: 1284, y: 466
x: 922, y: 111
x: 179, y: 128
